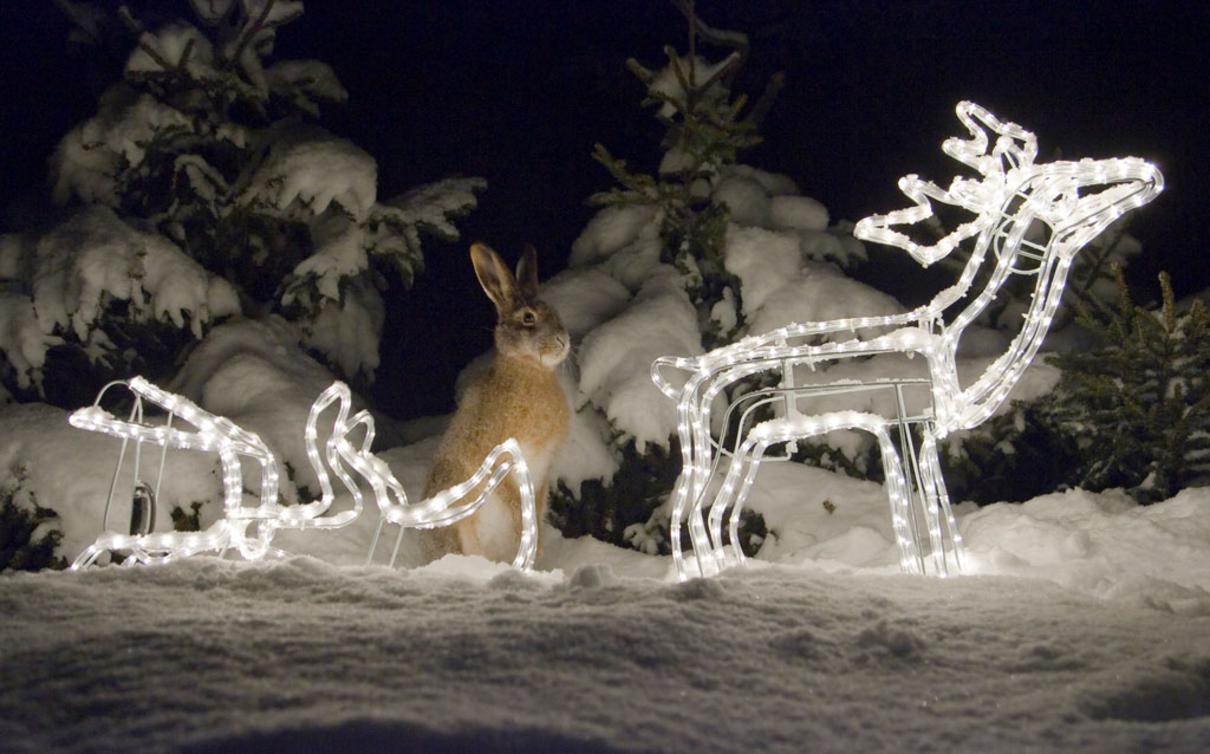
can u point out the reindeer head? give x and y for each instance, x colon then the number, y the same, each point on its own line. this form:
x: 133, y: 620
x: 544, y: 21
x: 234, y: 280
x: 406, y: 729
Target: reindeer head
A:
x: 1057, y: 193
x: 1080, y: 199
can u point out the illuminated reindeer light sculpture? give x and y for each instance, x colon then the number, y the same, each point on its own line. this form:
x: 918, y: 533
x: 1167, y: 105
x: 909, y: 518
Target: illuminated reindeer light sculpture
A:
x: 1032, y: 218
x: 249, y: 529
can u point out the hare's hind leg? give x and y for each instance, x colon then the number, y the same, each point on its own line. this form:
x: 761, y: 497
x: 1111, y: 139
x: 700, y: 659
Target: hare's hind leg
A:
x: 541, y: 499
x: 494, y: 530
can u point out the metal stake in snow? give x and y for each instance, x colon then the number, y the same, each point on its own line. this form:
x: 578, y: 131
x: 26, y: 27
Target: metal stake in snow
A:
x: 216, y: 433
x: 1032, y: 217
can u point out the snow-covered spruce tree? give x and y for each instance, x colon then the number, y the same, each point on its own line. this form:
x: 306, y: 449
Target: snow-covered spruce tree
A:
x: 707, y: 128
x: 695, y: 254
x: 1138, y: 402
x: 201, y: 189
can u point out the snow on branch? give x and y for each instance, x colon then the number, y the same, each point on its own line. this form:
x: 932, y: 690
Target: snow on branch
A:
x: 72, y: 274
x: 306, y: 166
x: 177, y: 47
x: 305, y: 83
x: 97, y: 156
x: 396, y: 225
x: 212, y: 11
x: 334, y: 284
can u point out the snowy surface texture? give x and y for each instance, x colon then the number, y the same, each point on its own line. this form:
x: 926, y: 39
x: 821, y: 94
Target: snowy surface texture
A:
x: 300, y: 655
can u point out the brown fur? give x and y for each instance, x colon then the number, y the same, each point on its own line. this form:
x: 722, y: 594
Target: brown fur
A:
x: 518, y: 396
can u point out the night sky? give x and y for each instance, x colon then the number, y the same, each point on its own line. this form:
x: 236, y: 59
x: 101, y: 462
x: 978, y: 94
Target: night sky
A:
x: 518, y: 92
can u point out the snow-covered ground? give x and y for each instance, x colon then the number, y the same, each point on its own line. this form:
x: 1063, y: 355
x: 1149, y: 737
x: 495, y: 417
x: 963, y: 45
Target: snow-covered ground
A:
x: 1084, y: 626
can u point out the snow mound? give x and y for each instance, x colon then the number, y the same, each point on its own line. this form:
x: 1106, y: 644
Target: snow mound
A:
x: 608, y: 231
x: 347, y: 331
x: 615, y: 358
x: 797, y: 213
x: 94, y: 257
x: 1104, y: 545
x: 819, y: 293
x: 584, y: 298
x: 585, y: 454
x: 746, y: 200
x: 304, y: 81
x: 65, y: 280
x: 256, y: 374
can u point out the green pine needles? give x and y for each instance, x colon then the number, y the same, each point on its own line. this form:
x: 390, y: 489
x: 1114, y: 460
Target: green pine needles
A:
x: 1138, y: 402
x: 707, y: 128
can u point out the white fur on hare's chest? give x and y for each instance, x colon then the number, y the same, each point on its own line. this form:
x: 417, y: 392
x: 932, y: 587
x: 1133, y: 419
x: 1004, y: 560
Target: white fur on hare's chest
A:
x: 496, y: 528
x: 497, y: 525
x: 538, y: 458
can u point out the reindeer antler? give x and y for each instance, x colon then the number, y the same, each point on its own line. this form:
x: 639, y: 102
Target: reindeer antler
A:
x: 1014, y: 144
x: 1014, y: 149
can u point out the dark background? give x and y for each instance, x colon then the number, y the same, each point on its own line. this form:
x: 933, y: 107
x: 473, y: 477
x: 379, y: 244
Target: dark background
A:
x: 518, y: 92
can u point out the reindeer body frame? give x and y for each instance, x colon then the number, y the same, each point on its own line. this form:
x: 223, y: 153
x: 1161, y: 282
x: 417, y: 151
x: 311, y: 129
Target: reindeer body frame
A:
x: 1014, y: 199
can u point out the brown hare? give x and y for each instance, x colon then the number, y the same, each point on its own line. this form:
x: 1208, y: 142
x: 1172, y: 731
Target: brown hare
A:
x: 519, y: 396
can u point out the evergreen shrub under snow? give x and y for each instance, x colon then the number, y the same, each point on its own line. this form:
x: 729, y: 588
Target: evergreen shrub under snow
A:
x: 29, y: 533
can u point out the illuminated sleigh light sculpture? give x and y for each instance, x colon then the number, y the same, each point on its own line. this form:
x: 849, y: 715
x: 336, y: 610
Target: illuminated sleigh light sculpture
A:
x: 443, y: 509
x: 209, y: 433
x: 1013, y: 200
x: 250, y: 529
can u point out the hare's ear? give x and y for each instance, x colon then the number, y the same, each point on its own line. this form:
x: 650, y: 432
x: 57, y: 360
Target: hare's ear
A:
x: 527, y: 272
x: 494, y: 276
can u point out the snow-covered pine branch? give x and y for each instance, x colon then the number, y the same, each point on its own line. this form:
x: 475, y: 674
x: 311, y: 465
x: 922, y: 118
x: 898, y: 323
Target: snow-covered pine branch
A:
x: 74, y: 281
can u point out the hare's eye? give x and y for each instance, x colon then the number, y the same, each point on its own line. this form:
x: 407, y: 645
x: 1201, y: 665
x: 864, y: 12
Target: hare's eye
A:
x: 528, y: 318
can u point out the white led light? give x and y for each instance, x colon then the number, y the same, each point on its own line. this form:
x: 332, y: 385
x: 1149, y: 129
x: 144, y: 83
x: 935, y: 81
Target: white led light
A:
x: 1072, y: 201
x: 341, y: 453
